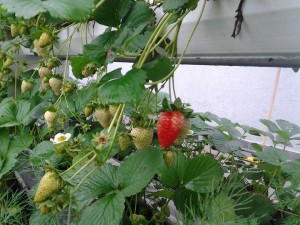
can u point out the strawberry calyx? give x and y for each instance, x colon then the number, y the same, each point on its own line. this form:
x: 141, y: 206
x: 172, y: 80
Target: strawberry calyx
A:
x: 177, y: 105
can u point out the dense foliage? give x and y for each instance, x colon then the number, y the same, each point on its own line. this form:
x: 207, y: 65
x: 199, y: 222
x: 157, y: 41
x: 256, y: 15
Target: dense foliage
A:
x: 112, y: 148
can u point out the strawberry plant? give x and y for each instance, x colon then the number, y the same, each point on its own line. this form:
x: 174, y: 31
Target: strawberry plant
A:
x: 111, y: 147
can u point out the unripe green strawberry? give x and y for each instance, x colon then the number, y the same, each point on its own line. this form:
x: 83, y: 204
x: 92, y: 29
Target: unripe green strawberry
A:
x: 88, y: 111
x: 23, y: 29
x: 138, y: 219
x: 42, y: 52
x: 169, y: 157
x: 68, y: 87
x: 113, y: 109
x: 50, y: 183
x: 45, y: 40
x: 45, y: 209
x: 8, y: 62
x: 45, y: 84
x: 142, y: 137
x: 14, y: 30
x: 2, y: 55
x: 103, y: 116
x: 50, y: 118
x: 6, y: 71
x: 187, y: 126
x: 3, y: 83
x: 43, y: 71
x: 56, y: 85
x: 26, y: 86
x: 88, y: 70
x: 124, y: 141
x: 52, y: 62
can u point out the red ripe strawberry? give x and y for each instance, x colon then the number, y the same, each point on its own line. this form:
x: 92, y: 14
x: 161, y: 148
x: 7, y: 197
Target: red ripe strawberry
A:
x: 169, y: 126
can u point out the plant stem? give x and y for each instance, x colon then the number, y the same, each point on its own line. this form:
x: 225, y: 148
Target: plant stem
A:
x: 114, y: 119
x: 152, y: 39
x: 76, y: 163
x: 85, y: 177
x: 186, y: 46
x: 129, y: 207
x: 115, y: 133
x: 84, y: 166
x: 98, y: 5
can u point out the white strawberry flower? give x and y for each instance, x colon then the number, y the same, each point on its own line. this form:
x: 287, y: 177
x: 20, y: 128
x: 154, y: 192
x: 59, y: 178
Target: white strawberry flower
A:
x: 60, y: 138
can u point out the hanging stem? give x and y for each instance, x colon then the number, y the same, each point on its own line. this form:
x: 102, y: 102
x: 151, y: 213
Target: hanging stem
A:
x: 85, y: 177
x: 114, y: 119
x: 84, y: 166
x: 98, y: 5
x: 152, y: 39
x: 115, y: 133
x: 186, y: 46
x: 76, y: 163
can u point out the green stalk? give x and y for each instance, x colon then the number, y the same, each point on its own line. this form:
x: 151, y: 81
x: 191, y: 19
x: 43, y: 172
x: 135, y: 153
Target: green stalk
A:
x: 186, y: 46
x: 152, y: 39
x: 177, y: 24
x: 114, y: 119
x: 84, y: 166
x: 115, y: 133
x: 75, y: 164
x: 98, y: 5
x: 85, y: 177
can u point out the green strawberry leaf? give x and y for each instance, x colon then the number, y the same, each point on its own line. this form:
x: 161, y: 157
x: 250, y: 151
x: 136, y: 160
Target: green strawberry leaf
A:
x: 14, y: 113
x: 68, y: 106
x: 125, y: 89
x: 203, y: 174
x: 158, y: 69
x: 78, y: 63
x: 84, y: 95
x: 68, y: 9
x: 106, y: 210
x: 172, y: 177
x: 111, y: 12
x: 37, y: 218
x: 9, y: 150
x: 137, y: 170
x: 8, y: 113
x: 115, y: 74
x: 137, y: 39
x: 99, y: 48
x: 221, y: 210
x: 173, y: 5
x: 273, y: 156
x: 103, y: 180
x: 41, y: 152
x: 139, y: 15
x: 255, y: 205
x: 187, y: 202
x: 271, y: 125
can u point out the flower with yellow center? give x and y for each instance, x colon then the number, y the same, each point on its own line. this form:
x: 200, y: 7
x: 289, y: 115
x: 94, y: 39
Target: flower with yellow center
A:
x: 60, y: 138
x: 251, y: 159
